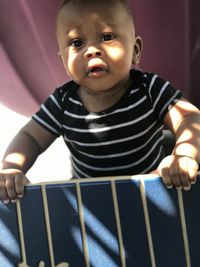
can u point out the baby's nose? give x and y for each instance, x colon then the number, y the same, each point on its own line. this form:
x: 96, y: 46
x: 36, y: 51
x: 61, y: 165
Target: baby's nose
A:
x: 93, y: 52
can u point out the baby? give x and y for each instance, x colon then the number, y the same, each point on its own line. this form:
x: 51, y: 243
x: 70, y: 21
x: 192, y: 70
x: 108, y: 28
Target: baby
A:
x: 110, y: 114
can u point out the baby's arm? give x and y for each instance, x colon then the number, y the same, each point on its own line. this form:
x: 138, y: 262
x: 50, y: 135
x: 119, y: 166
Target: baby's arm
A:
x: 180, y: 168
x: 20, y: 155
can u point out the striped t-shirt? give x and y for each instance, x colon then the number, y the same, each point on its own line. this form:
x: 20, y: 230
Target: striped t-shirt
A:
x: 125, y: 139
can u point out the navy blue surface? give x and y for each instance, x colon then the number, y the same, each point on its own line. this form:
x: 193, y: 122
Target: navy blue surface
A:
x: 132, y: 224
x: 34, y: 227
x: 165, y: 224
x: 9, y: 244
x: 192, y: 214
x: 100, y: 225
x: 65, y: 224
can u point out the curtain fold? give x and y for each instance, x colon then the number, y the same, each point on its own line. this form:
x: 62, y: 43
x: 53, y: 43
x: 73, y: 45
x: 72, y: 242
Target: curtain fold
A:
x: 29, y: 65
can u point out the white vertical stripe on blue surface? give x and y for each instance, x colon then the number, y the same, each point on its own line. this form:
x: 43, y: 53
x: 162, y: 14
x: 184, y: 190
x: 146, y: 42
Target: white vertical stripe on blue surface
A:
x: 184, y: 227
x: 82, y: 224
x: 118, y: 224
x: 21, y: 232
x: 48, y: 226
x: 147, y: 223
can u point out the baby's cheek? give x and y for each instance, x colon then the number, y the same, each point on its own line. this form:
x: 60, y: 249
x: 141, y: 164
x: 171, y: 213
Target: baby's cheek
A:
x: 116, y: 53
x: 74, y: 67
x: 121, y: 58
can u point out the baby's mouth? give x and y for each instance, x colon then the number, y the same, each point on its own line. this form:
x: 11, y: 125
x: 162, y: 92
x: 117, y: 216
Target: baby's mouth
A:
x: 96, y: 71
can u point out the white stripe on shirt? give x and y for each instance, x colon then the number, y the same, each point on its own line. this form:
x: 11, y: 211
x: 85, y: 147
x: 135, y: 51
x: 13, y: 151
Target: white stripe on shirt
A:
x: 151, y: 84
x: 116, y: 155
x: 122, y: 166
x: 51, y: 116
x: 55, y: 101
x: 45, y: 124
x: 116, y: 141
x: 160, y: 93
x: 94, y: 116
x: 109, y: 128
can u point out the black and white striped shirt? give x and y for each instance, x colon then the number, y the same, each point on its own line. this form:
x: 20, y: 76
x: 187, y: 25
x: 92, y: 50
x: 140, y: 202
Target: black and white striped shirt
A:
x: 125, y: 139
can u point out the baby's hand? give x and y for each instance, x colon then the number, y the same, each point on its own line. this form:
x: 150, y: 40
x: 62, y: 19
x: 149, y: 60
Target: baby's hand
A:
x: 12, y: 183
x: 178, y: 171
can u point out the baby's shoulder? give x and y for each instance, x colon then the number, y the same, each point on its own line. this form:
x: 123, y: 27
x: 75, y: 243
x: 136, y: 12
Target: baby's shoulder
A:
x: 140, y: 77
x: 63, y: 92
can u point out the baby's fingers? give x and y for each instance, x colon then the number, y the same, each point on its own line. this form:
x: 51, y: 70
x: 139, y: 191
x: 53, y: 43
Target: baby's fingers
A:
x: 3, y: 192
x: 164, y: 170
x: 15, y: 185
x: 188, y: 168
x: 193, y: 170
x: 12, y: 185
x: 183, y: 171
x: 178, y: 171
x: 20, y: 181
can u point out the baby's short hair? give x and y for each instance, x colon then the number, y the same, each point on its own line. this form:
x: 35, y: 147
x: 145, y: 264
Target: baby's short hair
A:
x: 125, y: 3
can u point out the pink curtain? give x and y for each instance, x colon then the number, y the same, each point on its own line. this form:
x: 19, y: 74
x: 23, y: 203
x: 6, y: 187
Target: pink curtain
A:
x: 30, y: 68
x: 29, y: 65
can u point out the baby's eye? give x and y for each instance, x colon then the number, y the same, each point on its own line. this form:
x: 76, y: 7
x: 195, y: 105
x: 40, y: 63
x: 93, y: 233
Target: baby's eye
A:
x: 107, y: 37
x: 76, y: 43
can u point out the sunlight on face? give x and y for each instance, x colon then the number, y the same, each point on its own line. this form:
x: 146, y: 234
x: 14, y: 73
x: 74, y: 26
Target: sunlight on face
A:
x: 116, y: 52
x: 97, y: 31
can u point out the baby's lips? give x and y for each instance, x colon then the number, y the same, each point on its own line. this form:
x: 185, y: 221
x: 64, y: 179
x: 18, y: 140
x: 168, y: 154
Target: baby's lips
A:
x: 96, y: 67
x: 96, y: 63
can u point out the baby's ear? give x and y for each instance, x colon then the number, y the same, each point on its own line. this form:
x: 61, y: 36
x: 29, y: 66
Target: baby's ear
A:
x: 137, y: 50
x: 59, y: 55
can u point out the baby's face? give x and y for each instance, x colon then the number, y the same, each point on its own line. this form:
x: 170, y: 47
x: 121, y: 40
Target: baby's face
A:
x: 97, y: 44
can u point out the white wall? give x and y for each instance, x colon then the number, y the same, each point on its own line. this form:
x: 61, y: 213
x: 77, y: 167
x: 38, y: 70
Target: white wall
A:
x: 52, y: 165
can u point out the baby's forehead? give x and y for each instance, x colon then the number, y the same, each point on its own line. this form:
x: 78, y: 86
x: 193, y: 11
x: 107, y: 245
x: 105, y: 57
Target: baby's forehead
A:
x: 111, y: 13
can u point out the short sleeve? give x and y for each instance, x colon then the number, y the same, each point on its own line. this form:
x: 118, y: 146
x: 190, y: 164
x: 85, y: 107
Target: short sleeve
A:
x: 161, y: 93
x: 50, y: 114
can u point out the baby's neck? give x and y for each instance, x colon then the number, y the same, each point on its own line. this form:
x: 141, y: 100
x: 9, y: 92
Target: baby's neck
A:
x: 100, y: 101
